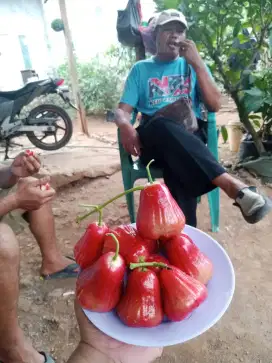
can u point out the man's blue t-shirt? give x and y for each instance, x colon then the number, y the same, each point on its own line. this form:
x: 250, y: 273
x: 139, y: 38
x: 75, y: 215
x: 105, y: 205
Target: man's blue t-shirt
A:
x: 152, y: 84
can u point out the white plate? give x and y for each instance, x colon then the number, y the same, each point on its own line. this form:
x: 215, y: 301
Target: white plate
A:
x: 221, y: 289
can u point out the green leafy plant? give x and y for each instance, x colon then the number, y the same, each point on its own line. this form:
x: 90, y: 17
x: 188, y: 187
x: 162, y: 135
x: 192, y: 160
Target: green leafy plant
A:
x: 231, y: 35
x: 102, y: 79
x: 258, y: 102
x: 224, y: 133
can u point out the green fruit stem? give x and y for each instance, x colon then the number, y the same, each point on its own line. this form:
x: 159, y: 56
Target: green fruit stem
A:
x: 148, y: 171
x: 117, y: 245
x: 97, y: 209
x: 102, y: 206
x: 132, y: 266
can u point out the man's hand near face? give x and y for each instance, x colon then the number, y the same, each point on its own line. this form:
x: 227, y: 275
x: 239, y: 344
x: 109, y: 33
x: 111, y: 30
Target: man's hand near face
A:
x: 189, y: 51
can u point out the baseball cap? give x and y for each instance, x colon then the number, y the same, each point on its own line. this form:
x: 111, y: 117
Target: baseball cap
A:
x: 170, y: 15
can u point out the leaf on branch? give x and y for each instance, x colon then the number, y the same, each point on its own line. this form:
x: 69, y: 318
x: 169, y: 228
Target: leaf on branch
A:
x: 243, y: 39
x: 256, y: 92
x: 268, y: 100
x: 254, y: 117
x: 224, y: 133
x: 253, y: 103
x: 256, y: 123
x: 237, y: 29
x: 171, y: 4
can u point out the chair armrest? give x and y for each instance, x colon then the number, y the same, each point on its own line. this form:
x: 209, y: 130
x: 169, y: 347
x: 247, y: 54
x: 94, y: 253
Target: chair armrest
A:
x: 212, y: 135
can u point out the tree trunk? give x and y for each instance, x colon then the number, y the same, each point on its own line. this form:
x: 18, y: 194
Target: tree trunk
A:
x: 72, y: 68
x: 243, y: 115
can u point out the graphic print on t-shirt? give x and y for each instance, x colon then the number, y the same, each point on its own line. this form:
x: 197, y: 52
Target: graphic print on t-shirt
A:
x: 168, y: 89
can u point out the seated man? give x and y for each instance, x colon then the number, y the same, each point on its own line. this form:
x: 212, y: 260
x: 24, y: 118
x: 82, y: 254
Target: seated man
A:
x: 158, y: 88
x: 27, y: 202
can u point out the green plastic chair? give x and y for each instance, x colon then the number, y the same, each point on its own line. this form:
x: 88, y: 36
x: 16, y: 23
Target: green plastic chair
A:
x: 134, y: 170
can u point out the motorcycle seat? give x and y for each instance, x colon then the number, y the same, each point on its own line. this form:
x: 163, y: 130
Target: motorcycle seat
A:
x: 13, y: 95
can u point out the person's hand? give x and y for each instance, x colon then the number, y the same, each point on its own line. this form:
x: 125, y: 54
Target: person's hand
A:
x: 25, y: 164
x: 130, y: 139
x: 189, y: 51
x: 96, y: 347
x: 30, y: 195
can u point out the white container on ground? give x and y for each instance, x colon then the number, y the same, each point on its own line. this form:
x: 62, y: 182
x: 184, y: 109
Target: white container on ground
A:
x: 235, y: 135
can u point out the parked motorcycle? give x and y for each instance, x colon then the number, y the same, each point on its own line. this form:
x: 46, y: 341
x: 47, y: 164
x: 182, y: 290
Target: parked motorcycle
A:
x: 43, y: 122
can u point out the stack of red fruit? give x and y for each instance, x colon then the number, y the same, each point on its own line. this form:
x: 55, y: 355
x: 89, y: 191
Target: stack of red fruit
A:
x: 144, y: 273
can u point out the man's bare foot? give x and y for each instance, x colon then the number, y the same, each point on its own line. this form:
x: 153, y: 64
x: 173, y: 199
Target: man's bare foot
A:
x: 19, y: 350
x: 56, y: 264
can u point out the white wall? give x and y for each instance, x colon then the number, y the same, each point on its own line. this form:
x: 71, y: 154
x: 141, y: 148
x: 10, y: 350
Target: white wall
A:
x: 21, y: 17
x: 93, y: 25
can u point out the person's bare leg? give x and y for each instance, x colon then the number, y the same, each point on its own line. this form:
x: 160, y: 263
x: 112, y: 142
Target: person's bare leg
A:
x: 42, y: 225
x: 252, y: 204
x: 86, y: 354
x: 230, y: 185
x: 14, y: 347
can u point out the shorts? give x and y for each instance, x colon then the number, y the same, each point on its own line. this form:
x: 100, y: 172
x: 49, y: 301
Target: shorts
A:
x: 16, y: 218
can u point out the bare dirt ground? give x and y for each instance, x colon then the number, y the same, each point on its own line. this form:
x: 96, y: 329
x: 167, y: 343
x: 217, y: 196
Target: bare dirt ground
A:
x: 244, y: 334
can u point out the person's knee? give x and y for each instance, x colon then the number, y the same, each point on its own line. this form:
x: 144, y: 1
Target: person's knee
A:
x: 9, y: 248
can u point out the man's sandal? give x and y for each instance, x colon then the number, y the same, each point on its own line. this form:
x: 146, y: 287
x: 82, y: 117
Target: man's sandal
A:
x: 47, y: 357
x: 70, y: 271
x: 260, y: 213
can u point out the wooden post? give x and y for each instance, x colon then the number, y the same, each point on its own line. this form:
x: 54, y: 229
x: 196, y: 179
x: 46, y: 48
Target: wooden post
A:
x: 72, y: 67
x: 53, y: 71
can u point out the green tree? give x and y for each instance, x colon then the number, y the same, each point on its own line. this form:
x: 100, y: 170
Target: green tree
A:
x: 222, y: 31
x: 258, y: 99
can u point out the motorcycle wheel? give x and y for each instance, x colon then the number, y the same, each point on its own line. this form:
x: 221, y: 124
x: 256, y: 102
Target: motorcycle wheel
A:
x: 56, y: 113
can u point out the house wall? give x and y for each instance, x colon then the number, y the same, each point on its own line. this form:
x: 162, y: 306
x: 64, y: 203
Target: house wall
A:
x: 93, y: 25
x: 21, y: 31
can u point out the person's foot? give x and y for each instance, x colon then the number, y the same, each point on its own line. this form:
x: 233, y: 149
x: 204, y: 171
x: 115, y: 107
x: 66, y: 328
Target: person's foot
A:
x: 21, y: 352
x: 58, y: 264
x: 253, y: 205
